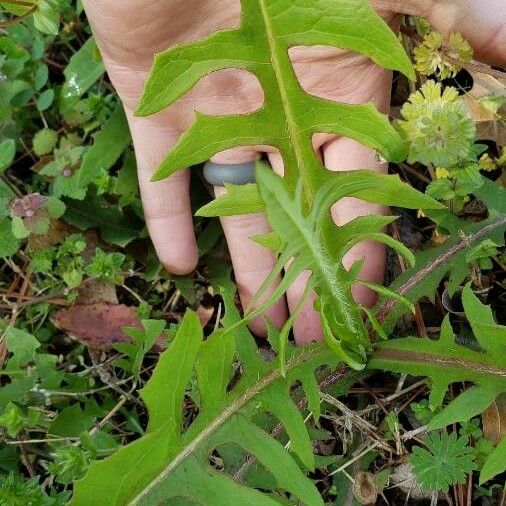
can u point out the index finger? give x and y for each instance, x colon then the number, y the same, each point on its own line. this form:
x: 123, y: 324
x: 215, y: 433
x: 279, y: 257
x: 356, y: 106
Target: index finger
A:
x: 166, y: 203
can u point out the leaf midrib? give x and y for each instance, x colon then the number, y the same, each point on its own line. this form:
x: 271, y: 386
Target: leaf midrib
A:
x: 296, y: 141
x: 326, y: 274
x: 293, y: 131
x: 222, y: 418
x: 475, y: 367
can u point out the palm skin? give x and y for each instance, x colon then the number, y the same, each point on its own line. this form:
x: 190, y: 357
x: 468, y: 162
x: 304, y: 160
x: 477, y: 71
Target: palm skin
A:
x: 131, y: 31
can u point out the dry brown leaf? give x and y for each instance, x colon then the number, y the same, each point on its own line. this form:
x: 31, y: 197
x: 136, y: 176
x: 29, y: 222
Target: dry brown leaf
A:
x: 487, y: 126
x: 56, y: 234
x: 205, y: 314
x: 94, y: 290
x: 494, y: 420
x: 365, y: 488
x: 99, y: 325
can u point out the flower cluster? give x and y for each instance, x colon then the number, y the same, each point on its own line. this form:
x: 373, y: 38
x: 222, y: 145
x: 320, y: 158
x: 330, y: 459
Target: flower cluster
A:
x: 437, y: 126
x: 435, y: 57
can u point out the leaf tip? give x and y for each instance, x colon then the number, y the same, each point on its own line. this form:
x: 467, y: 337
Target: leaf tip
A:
x: 142, y: 110
x: 160, y: 174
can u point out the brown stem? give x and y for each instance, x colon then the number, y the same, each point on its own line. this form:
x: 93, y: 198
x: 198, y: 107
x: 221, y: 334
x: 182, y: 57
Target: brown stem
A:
x: 443, y: 362
x: 387, y: 307
x: 54, y: 298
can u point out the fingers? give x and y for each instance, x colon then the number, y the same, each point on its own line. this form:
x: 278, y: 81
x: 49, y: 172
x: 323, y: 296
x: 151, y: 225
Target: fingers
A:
x: 306, y: 327
x: 252, y: 263
x: 166, y: 203
x: 346, y: 154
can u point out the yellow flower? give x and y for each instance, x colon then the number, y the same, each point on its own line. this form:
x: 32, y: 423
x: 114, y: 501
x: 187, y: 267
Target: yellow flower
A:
x: 442, y: 173
x: 501, y: 161
x: 486, y: 163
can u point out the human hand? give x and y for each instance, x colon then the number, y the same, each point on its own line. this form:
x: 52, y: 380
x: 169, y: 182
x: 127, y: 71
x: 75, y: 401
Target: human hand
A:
x: 130, y: 32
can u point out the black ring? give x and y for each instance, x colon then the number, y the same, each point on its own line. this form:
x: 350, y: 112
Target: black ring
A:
x: 217, y: 174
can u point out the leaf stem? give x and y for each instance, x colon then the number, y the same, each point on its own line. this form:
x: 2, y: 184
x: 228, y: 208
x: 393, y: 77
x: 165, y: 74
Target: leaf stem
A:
x: 445, y: 257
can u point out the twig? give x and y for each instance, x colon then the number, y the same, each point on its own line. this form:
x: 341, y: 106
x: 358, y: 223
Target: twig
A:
x: 363, y: 425
x: 39, y: 441
x: 26, y: 461
x: 218, y: 318
x: 54, y: 298
x: 413, y: 433
x: 388, y: 306
x: 415, y: 172
x: 78, y: 395
x: 109, y: 415
x: 419, y: 322
x: 354, y: 459
x: 469, y: 489
x: 475, y: 66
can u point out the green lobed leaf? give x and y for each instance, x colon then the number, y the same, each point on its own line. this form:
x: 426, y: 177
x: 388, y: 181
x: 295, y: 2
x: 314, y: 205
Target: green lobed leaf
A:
x: 320, y: 250
x: 55, y: 207
x: 117, y: 226
x: 169, y: 463
x: 22, y: 345
x: 260, y: 45
x: 491, y: 336
x: 19, y: 229
x: 446, y: 362
x: 447, y: 461
x: 165, y: 384
x: 71, y: 421
x: 469, y: 403
x: 9, y: 244
x: 44, y: 141
x: 142, y: 342
x: 363, y: 184
x: 46, y: 18
x: 301, y: 237
x: 163, y: 396
x: 239, y: 199
x: 45, y: 100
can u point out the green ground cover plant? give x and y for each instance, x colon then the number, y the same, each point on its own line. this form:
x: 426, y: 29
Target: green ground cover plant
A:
x: 122, y: 384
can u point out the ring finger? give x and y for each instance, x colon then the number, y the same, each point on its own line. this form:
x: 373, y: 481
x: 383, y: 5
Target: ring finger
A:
x: 252, y: 263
